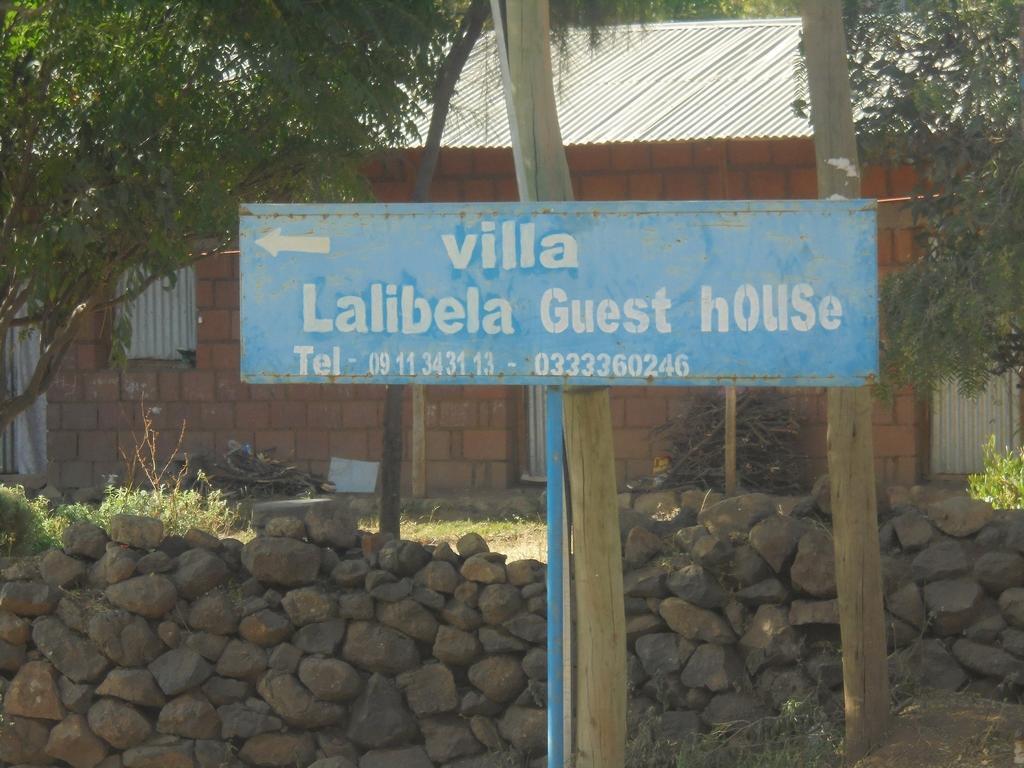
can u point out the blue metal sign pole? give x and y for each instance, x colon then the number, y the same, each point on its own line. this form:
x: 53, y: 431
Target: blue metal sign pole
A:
x: 555, y: 595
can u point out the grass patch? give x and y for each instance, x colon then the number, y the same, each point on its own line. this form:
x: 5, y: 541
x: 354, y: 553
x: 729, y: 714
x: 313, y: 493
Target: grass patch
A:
x: 519, y: 538
x: 800, y: 736
x: 29, y: 525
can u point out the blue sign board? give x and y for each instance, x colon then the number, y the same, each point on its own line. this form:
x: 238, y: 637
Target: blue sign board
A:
x: 780, y: 293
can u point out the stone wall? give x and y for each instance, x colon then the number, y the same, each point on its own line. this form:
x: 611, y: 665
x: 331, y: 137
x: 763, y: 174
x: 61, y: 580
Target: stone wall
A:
x: 315, y: 645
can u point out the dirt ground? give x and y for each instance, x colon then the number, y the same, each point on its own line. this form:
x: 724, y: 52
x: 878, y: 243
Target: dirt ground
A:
x: 940, y: 730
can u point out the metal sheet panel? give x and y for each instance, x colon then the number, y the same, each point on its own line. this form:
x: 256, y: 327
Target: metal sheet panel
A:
x: 164, y: 319
x: 961, y: 425
x: 678, y: 81
x: 780, y: 293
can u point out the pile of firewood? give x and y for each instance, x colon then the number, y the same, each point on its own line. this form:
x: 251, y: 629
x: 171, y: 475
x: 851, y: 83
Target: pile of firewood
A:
x: 246, y: 473
x: 767, y: 454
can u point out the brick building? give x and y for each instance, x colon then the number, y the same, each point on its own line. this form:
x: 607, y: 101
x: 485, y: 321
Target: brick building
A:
x: 627, y: 139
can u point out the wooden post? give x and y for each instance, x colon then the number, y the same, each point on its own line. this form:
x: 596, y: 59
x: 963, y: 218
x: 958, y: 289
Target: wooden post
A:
x: 419, y: 441
x: 850, y: 450
x: 543, y: 174
x: 730, y: 441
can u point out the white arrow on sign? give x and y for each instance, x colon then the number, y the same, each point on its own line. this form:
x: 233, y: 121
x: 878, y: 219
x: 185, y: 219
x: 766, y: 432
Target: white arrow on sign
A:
x: 275, y: 242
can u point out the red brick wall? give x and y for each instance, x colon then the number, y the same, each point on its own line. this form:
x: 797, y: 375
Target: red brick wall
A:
x: 475, y: 435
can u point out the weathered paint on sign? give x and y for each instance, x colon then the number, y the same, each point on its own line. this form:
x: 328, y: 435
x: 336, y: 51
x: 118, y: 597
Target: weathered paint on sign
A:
x: 748, y: 293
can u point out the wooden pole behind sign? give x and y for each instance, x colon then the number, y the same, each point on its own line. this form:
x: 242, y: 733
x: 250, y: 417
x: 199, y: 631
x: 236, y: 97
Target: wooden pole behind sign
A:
x: 419, y: 441
x: 730, y: 441
x: 850, y: 450
x: 543, y: 174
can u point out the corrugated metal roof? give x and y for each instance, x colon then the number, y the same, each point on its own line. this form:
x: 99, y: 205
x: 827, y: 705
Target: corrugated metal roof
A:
x: 656, y: 82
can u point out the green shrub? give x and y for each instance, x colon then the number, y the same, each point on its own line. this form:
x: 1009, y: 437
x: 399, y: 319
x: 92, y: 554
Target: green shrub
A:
x: 1001, y: 483
x: 20, y: 520
x: 179, y: 509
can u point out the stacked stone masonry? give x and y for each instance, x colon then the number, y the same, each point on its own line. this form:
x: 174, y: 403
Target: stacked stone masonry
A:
x: 475, y: 436
x: 316, y: 645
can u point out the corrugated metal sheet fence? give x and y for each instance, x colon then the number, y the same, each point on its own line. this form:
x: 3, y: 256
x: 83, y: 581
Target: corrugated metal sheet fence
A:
x: 164, y: 319
x: 961, y: 426
x: 7, y: 438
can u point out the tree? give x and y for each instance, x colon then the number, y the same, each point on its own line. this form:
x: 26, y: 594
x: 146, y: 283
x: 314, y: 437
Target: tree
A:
x: 131, y: 131
x: 938, y: 89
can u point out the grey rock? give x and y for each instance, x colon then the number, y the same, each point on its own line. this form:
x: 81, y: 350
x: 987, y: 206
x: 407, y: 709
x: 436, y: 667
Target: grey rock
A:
x: 350, y: 573
x: 136, y: 686
x: 736, y: 515
x: 242, y: 660
x: 484, y: 569
x: 323, y: 637
x: 776, y: 539
x: 265, y: 628
x: 215, y: 612
x: 430, y: 690
x: 438, y: 576
x: 695, y: 624
x: 137, y: 531
x: 199, y: 571
x: 308, y: 605
x: 499, y: 678
x: 953, y: 604
x: 813, y: 571
x: 767, y: 592
x: 60, y: 570
x: 988, y: 661
x: 456, y: 647
x: 525, y: 729
x: 663, y: 653
x: 524, y: 572
x: 84, y: 539
x: 803, y: 612
x: 283, y: 562
x: 769, y: 640
x: 471, y: 544
x: 294, y: 703
x: 380, y: 717
x: 285, y: 658
x: 73, y: 742
x: 238, y: 721
x: 190, y: 716
x: 998, y: 571
x: 645, y: 582
x: 119, y: 724
x: 75, y: 656
x: 270, y: 750
x: 180, y: 669
x: 379, y: 649
x: 406, y: 757
x: 715, y: 667
x: 640, y: 546
x: 906, y: 603
x: 34, y: 693
x: 960, y: 516
x: 448, y: 737
x: 27, y: 598
x: 942, y: 560
x: 499, y: 602
x: 694, y: 585
x: 152, y: 595
x: 410, y: 618
x: 330, y: 679
x: 913, y: 531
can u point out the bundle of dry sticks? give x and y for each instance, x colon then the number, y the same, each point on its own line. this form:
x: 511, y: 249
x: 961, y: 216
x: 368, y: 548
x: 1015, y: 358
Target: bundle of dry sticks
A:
x: 767, y: 454
x: 245, y: 473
